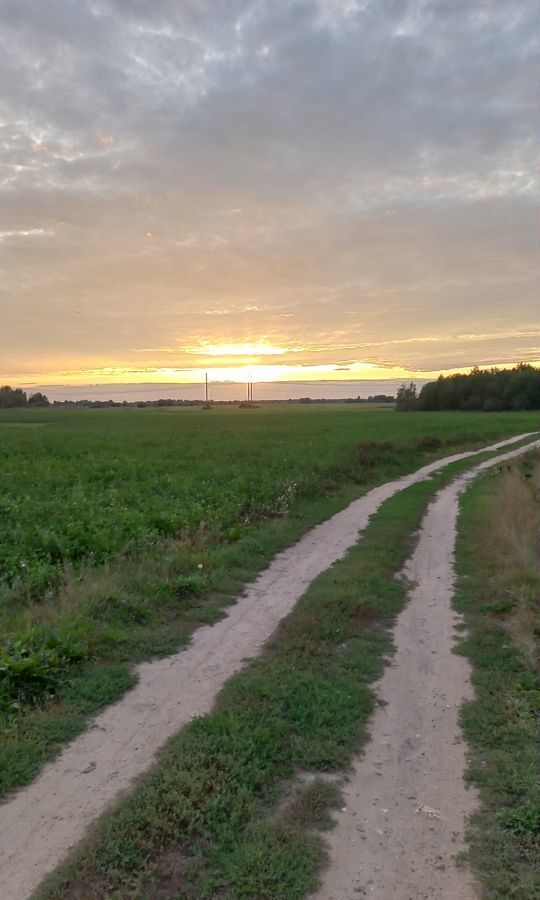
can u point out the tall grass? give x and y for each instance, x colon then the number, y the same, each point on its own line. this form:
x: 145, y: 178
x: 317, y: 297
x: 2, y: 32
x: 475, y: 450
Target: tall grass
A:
x: 499, y: 593
x: 514, y: 509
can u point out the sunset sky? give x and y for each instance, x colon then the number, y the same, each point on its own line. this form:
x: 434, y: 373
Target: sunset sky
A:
x: 340, y: 190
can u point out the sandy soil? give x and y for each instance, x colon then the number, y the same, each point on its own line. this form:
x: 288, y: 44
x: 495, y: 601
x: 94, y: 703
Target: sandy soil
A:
x: 406, y: 803
x: 42, y: 822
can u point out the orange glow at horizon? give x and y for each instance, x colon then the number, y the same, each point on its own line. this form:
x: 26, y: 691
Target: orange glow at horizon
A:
x: 256, y: 372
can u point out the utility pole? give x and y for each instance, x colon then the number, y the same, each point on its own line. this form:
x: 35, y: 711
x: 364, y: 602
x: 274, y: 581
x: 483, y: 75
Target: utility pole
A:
x: 206, y: 388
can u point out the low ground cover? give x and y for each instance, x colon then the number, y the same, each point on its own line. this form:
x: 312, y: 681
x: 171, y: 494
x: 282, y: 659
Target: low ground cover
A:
x: 85, y: 485
x: 499, y: 594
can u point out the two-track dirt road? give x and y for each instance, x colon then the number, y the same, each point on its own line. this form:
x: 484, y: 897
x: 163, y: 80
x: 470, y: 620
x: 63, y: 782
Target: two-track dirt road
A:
x: 406, y: 803
x: 42, y: 822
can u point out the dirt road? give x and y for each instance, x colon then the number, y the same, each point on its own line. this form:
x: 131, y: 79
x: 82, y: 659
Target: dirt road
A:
x: 406, y: 804
x: 42, y: 822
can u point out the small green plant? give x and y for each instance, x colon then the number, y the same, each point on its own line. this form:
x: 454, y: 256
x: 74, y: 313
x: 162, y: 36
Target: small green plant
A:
x: 32, y: 669
x: 522, y: 820
x: 186, y: 586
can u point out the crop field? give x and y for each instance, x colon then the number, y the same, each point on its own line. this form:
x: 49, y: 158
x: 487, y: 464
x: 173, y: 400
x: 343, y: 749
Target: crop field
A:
x: 85, y: 485
x: 122, y: 530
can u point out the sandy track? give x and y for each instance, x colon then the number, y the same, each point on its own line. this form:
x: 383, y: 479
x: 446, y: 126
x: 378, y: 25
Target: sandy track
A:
x: 406, y: 803
x: 42, y: 822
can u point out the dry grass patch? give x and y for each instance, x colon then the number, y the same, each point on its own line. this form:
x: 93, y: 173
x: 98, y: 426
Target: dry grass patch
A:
x: 499, y: 593
x: 514, y: 513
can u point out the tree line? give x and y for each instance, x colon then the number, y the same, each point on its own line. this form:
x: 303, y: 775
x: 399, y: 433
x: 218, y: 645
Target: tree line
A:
x: 11, y: 398
x: 15, y: 397
x: 486, y: 390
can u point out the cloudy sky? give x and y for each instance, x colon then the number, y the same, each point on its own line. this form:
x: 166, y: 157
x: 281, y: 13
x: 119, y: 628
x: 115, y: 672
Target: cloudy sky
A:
x: 312, y: 188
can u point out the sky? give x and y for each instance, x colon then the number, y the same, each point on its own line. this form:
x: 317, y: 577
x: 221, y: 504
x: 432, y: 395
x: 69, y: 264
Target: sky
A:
x: 289, y: 190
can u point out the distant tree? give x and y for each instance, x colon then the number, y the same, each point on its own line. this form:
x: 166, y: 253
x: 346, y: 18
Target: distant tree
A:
x: 406, y: 398
x: 11, y: 397
x: 38, y: 399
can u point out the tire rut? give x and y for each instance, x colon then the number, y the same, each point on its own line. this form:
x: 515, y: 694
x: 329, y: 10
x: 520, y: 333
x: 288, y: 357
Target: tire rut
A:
x: 405, y: 802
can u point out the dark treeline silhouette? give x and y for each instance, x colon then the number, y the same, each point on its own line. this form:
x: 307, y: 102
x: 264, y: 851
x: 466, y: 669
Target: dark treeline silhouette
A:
x: 119, y: 404
x: 11, y: 398
x: 487, y: 390
x: 169, y: 401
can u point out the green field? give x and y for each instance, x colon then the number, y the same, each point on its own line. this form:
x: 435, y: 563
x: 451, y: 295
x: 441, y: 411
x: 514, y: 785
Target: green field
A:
x: 80, y: 485
x: 121, y: 531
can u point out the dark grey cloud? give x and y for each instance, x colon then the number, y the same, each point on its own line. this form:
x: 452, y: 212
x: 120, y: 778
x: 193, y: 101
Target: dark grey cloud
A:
x: 340, y: 169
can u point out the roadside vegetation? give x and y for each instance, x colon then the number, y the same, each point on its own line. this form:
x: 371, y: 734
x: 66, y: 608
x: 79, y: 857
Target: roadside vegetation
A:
x: 123, y: 530
x: 499, y: 593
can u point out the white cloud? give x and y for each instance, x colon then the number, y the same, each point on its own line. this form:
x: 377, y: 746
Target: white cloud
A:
x: 294, y: 169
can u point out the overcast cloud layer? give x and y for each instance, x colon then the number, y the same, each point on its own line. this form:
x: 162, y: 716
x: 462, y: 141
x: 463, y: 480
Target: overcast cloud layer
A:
x: 349, y: 182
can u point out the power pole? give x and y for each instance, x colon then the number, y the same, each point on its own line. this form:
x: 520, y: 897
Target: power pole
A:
x: 206, y: 388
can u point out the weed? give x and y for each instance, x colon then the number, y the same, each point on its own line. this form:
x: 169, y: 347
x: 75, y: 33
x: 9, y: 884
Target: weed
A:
x: 33, y: 668
x: 522, y: 821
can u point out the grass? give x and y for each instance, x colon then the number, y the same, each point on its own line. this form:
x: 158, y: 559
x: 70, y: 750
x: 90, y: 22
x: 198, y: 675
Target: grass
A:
x: 87, y: 485
x: 224, y: 814
x: 123, y: 530
x: 499, y: 594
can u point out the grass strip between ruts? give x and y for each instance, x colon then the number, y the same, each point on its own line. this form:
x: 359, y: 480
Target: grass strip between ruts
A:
x: 496, y: 584
x: 222, y: 813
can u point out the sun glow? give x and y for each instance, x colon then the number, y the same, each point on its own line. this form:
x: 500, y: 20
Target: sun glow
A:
x: 248, y: 349
x: 256, y: 372
x: 226, y: 363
